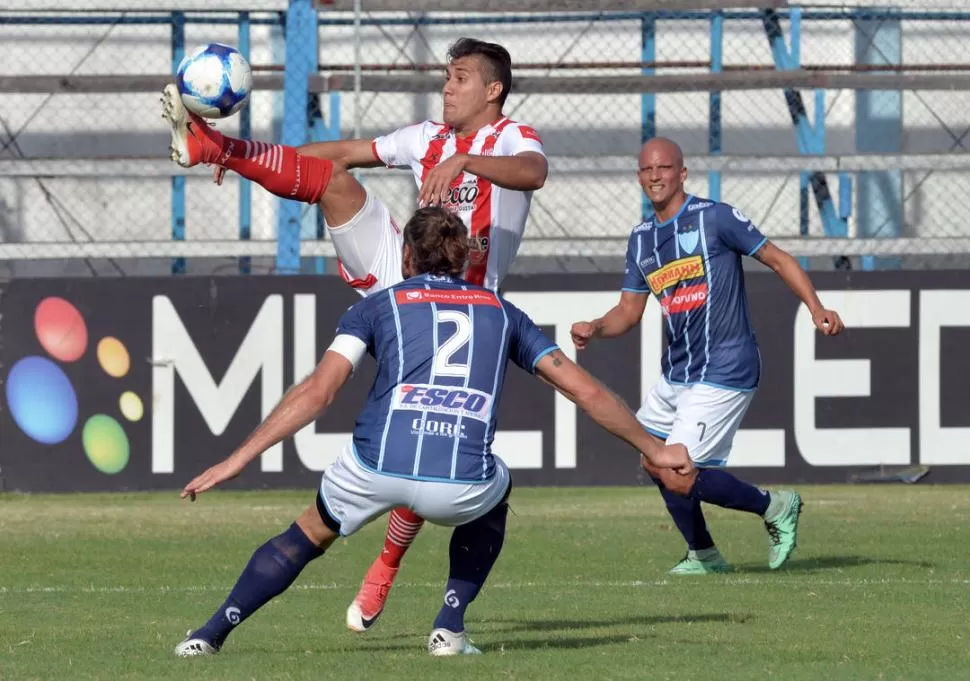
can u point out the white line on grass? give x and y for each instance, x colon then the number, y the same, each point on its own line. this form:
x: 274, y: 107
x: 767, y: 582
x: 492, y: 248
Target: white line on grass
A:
x: 636, y: 584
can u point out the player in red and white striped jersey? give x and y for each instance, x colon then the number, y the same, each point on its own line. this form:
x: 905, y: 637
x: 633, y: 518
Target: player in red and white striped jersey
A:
x: 476, y: 162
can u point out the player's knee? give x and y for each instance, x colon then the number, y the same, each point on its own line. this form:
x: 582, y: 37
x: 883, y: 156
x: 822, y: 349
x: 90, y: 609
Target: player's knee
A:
x: 680, y: 484
x: 325, y: 517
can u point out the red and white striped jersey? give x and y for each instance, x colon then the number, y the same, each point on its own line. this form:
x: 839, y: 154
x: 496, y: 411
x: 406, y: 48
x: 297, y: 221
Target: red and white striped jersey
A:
x: 495, y: 217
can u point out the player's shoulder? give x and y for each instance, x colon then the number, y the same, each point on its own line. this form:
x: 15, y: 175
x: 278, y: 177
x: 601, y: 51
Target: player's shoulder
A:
x: 727, y: 212
x: 698, y: 203
x: 432, y: 129
x: 524, y: 129
x: 425, y: 131
x: 367, y: 304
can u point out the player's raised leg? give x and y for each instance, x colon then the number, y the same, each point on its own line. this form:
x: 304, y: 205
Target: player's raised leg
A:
x: 367, y: 242
x: 277, y: 168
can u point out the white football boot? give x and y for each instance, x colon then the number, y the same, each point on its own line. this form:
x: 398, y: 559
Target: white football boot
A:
x: 194, y: 647
x: 442, y: 642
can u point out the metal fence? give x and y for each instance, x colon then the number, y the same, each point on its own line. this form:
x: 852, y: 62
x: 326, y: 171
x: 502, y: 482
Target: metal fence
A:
x: 823, y: 124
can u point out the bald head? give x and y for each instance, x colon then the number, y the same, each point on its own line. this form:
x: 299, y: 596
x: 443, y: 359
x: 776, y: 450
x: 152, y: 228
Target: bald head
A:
x: 664, y: 148
x: 662, y: 176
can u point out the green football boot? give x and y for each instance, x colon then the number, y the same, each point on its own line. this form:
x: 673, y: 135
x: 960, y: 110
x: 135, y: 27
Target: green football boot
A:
x: 701, y: 563
x: 782, y: 526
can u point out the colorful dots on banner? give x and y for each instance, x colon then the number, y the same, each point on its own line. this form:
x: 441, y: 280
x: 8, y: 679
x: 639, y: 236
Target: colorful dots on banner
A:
x: 113, y: 357
x: 41, y: 396
x: 131, y: 406
x: 106, y: 444
x: 60, y: 329
x: 42, y: 400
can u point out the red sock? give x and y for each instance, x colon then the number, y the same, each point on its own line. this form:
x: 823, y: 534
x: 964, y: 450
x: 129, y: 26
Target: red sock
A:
x: 277, y: 168
x: 402, y: 527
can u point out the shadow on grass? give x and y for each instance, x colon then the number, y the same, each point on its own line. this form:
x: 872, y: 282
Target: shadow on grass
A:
x: 823, y: 563
x: 565, y: 629
x: 570, y: 633
x: 647, y: 620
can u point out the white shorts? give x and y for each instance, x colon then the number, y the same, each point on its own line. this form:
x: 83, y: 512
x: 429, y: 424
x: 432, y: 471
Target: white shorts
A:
x: 355, y: 495
x: 699, y: 416
x: 369, y: 248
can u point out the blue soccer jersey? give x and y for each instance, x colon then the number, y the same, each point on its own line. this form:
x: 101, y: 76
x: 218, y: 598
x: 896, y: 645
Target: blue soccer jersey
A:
x: 692, y: 264
x: 442, y: 347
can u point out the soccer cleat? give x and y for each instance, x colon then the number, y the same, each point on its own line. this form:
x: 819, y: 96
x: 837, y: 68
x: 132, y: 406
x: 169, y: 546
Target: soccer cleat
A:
x: 442, y: 643
x: 370, y: 599
x: 783, y: 529
x: 194, y: 647
x: 193, y: 140
x: 691, y: 564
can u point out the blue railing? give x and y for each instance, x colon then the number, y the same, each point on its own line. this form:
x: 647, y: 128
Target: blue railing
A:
x: 880, y: 193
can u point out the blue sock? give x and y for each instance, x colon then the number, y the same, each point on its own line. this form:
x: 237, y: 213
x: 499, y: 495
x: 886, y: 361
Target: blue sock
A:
x: 271, y: 570
x: 720, y: 488
x: 474, y: 549
x: 688, y: 517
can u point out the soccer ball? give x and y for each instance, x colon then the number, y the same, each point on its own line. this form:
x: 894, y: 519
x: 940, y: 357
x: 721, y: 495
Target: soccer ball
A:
x: 214, y: 81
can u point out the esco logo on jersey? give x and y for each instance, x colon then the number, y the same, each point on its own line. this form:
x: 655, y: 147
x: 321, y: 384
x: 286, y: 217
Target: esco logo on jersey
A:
x: 466, y: 402
x: 463, y: 196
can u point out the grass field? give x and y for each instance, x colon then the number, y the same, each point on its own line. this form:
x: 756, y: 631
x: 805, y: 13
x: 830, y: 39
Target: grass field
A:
x: 103, y: 586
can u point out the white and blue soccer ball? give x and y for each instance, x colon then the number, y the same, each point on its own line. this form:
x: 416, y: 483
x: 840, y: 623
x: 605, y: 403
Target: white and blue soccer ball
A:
x: 215, y: 81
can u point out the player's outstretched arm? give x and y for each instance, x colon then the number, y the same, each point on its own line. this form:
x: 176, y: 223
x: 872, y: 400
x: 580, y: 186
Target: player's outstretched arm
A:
x: 301, y: 405
x: 608, y: 410
x: 790, y: 272
x: 523, y: 172
x: 621, y: 318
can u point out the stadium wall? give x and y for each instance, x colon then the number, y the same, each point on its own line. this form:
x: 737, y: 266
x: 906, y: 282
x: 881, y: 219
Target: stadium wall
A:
x: 113, y: 384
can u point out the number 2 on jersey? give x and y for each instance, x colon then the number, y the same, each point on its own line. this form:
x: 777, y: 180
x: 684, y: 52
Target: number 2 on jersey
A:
x: 443, y: 364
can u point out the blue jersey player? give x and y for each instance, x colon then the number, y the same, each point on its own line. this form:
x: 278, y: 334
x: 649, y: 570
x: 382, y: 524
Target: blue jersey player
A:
x: 688, y: 255
x: 423, y: 440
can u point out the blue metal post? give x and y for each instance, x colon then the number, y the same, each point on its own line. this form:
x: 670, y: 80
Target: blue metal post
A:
x: 324, y: 132
x: 714, y: 111
x: 811, y: 139
x: 804, y: 182
x: 178, y: 181
x: 245, y: 132
x: 879, y: 128
x: 301, y: 61
x: 648, y: 100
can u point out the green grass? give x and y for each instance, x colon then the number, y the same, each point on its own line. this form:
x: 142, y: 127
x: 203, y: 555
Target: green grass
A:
x: 103, y: 586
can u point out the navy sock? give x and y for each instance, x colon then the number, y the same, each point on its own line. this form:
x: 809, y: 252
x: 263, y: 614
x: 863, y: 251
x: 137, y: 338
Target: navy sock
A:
x: 474, y: 549
x: 271, y: 570
x: 688, y: 517
x: 720, y: 488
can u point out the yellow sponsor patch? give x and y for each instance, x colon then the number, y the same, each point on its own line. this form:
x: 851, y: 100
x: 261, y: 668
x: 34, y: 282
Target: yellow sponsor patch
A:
x: 675, y: 272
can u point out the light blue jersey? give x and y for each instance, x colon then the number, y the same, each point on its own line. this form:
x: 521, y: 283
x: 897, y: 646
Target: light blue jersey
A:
x: 692, y: 264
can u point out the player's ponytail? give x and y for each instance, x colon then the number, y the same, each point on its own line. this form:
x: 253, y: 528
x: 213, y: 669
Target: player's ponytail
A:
x: 438, y: 240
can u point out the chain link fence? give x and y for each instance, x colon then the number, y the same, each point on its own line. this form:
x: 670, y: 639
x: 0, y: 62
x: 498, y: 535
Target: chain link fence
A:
x: 92, y: 168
